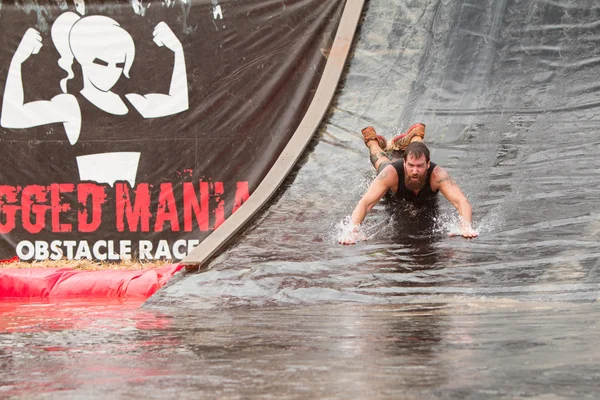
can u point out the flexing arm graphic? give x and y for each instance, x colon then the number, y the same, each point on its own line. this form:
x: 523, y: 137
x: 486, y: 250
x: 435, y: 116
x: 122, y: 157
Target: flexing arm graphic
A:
x: 16, y: 114
x: 155, y: 105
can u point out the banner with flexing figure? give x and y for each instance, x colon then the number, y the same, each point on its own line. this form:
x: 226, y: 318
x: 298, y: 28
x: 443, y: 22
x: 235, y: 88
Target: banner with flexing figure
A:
x: 131, y: 129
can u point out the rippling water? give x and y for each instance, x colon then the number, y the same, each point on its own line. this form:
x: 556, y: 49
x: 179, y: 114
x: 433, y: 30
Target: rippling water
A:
x: 476, y: 348
x: 509, y: 93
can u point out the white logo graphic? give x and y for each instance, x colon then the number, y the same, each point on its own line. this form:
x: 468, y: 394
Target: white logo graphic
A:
x: 217, y: 12
x: 105, y: 51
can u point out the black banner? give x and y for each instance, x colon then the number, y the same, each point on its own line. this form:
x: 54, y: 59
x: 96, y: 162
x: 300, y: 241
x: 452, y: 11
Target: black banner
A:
x: 132, y: 129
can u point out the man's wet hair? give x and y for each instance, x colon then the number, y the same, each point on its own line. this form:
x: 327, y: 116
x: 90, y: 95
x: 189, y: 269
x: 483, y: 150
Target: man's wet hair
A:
x: 416, y: 149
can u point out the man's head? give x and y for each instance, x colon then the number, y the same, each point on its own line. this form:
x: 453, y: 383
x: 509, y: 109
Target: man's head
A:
x: 416, y: 150
x: 416, y: 164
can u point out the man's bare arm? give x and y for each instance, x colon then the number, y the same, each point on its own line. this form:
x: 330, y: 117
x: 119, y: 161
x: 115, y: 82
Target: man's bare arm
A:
x: 444, y: 182
x: 379, y: 186
x: 384, y: 181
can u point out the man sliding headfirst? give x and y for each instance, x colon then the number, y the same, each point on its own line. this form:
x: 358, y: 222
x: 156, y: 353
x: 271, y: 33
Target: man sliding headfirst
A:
x: 412, y: 178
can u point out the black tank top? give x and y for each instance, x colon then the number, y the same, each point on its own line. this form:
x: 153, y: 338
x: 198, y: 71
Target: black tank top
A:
x: 425, y: 195
x: 102, y: 132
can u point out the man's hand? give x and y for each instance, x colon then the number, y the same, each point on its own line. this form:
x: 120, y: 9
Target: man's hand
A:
x: 455, y: 196
x: 468, y: 232
x: 352, y: 236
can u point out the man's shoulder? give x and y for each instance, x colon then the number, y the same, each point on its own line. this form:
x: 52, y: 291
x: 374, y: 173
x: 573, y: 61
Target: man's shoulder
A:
x: 389, y: 174
x: 438, y: 171
x: 438, y: 176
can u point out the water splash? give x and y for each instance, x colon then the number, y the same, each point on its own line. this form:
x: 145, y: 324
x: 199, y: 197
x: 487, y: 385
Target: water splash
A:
x: 449, y: 224
x: 368, y: 230
x: 492, y: 221
x: 347, y: 231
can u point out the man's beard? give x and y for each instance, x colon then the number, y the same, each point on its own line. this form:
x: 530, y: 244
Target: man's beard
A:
x: 415, y: 185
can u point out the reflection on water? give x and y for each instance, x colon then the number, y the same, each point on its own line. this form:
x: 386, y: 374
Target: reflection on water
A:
x: 464, y: 349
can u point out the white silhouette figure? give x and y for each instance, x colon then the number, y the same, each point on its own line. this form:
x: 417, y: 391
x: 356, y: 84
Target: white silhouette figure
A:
x: 217, y: 12
x: 105, y: 51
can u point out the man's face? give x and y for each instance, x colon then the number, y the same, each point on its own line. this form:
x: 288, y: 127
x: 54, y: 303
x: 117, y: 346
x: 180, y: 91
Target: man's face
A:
x: 415, y: 172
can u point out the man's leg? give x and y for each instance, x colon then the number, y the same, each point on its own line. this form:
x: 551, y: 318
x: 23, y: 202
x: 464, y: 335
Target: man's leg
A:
x: 379, y: 158
x: 376, y: 145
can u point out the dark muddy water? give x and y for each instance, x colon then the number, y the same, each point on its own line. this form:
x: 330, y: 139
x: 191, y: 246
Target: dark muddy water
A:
x: 509, y: 93
x: 468, y: 349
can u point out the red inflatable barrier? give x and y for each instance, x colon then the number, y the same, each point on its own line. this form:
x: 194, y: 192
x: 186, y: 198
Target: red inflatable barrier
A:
x: 46, y: 283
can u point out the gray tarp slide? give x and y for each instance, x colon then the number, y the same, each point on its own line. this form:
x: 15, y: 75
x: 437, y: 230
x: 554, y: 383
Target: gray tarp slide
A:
x: 509, y: 93
x: 296, y: 145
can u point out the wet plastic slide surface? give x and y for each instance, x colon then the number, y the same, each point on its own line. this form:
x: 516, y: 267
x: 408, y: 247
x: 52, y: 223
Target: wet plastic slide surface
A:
x: 507, y: 91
